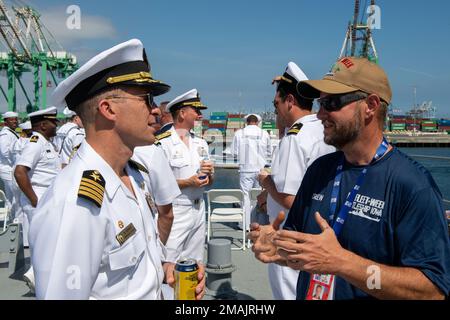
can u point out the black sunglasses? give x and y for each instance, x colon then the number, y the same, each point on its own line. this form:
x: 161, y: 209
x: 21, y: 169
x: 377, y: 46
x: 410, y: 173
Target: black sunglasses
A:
x: 197, y: 111
x: 336, y: 102
x: 147, y: 97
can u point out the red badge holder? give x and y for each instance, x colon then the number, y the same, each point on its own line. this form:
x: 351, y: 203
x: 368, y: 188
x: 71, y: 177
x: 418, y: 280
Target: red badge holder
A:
x: 320, y: 287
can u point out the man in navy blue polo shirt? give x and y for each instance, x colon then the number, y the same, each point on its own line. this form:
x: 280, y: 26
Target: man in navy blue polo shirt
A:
x: 367, y: 221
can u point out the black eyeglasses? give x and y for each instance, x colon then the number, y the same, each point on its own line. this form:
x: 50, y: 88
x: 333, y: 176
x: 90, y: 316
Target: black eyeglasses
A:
x: 147, y: 97
x: 336, y: 102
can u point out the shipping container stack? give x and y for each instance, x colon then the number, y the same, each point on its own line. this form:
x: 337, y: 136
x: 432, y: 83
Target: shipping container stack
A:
x: 198, y: 128
x: 428, y: 126
x: 444, y: 125
x: 234, y: 123
x: 404, y: 123
x: 398, y: 123
x: 218, y: 121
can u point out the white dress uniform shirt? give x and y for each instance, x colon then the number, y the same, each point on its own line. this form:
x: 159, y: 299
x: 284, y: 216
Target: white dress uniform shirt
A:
x: 295, y: 153
x: 8, y: 138
x: 67, y: 138
x: 41, y: 157
x: 187, y: 235
x: 18, y: 147
x: 163, y: 184
x: 76, y: 253
x: 291, y: 160
x: 185, y: 162
x: 19, y: 216
x: 252, y: 146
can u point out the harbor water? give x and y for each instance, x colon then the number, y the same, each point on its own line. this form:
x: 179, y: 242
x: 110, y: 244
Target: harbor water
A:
x: 436, y: 160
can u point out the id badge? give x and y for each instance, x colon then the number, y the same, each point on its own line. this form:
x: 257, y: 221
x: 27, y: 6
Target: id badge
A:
x: 151, y: 203
x: 321, y: 287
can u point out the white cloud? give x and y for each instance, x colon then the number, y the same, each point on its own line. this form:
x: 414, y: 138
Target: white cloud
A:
x: 91, y: 27
x: 417, y: 72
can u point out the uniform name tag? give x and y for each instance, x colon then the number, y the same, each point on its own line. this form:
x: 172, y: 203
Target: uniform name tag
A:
x: 126, y: 233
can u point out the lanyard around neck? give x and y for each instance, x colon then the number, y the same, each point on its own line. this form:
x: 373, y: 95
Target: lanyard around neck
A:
x: 343, y: 212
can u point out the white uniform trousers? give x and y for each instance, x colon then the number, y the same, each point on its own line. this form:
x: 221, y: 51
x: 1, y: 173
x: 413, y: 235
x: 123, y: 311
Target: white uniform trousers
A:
x: 28, y: 211
x: 18, y: 211
x: 187, y: 236
x: 283, y: 281
x: 12, y: 193
x: 247, y: 181
x: 10, y: 197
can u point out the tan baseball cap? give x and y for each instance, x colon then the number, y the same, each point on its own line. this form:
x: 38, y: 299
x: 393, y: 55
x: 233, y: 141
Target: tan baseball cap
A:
x: 347, y: 75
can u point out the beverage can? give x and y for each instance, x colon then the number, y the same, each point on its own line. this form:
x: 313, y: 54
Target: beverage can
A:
x: 186, y: 279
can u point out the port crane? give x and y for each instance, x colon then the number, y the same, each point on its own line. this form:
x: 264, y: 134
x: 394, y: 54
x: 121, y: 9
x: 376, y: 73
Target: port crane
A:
x: 30, y: 48
x: 358, y: 38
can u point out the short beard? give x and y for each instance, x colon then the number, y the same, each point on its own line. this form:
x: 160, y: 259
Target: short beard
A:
x: 346, y: 133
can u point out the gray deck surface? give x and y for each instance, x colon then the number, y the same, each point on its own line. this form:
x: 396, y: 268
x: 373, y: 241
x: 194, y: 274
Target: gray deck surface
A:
x: 249, y: 280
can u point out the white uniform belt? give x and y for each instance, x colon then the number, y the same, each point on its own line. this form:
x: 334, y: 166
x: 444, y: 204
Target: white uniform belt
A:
x: 33, y: 185
x: 187, y: 202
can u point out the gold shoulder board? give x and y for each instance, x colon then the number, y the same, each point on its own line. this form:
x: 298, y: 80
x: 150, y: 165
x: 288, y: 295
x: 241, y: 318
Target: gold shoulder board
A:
x: 137, y: 166
x: 163, y: 135
x: 92, y: 187
x: 295, y: 129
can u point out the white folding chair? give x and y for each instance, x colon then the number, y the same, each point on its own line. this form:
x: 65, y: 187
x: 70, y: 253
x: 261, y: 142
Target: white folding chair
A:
x: 4, y: 210
x: 228, y: 197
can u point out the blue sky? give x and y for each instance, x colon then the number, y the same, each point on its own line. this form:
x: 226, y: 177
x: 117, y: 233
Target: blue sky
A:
x: 231, y: 50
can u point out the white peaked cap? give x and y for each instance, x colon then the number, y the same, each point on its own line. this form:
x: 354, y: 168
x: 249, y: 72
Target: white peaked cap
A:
x: 292, y: 75
x: 49, y: 114
x: 124, y: 64
x: 295, y: 72
x: 253, y: 114
x: 187, y: 99
x: 68, y: 113
x: 10, y: 114
x: 26, y: 125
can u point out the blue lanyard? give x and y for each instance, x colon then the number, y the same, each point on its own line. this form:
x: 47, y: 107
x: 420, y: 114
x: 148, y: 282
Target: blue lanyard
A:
x: 343, y: 213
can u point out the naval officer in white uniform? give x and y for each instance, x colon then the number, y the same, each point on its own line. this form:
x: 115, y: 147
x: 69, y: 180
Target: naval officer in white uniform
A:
x: 69, y: 136
x: 188, y: 158
x: 253, y: 149
x: 27, y: 132
x: 98, y: 239
x: 302, y: 145
x: 38, y: 163
x: 8, y: 139
x: 163, y: 185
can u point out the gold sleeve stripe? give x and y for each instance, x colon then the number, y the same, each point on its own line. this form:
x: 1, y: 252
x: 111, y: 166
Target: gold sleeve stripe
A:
x: 92, y: 184
x: 94, y: 193
x: 89, y: 189
x: 90, y: 197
